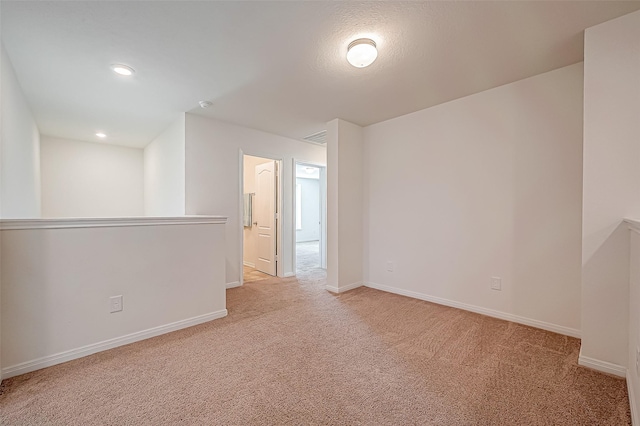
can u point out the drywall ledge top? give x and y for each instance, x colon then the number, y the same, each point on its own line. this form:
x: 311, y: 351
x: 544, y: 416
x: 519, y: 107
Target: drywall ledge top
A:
x: 633, y: 224
x: 101, y: 222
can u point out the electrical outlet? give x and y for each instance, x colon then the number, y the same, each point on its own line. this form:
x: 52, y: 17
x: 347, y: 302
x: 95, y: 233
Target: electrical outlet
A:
x: 496, y: 283
x: 115, y: 302
x: 391, y: 266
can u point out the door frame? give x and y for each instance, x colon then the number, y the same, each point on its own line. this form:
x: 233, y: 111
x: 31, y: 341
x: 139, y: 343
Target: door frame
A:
x: 323, y: 210
x: 279, y: 204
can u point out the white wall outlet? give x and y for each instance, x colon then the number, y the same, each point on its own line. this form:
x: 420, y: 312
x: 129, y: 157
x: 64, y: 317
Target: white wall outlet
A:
x: 115, y: 303
x: 391, y: 266
x: 496, y: 283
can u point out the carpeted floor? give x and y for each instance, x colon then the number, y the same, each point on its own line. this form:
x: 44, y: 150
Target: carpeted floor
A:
x: 307, y: 255
x: 291, y: 353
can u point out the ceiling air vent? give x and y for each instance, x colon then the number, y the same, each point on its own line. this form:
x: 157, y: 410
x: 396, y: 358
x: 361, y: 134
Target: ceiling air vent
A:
x: 319, y: 138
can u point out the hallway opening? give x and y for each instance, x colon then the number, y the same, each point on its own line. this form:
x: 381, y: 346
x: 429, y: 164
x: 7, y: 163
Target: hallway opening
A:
x: 310, y: 216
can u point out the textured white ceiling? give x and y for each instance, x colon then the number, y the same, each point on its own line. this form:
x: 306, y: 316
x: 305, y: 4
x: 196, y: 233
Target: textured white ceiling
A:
x: 275, y: 66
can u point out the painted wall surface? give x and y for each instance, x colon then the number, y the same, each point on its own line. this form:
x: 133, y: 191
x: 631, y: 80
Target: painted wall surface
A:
x: 2, y: 56
x: 611, y: 183
x: 310, y: 209
x: 84, y: 179
x: 213, y: 174
x: 250, y: 235
x: 344, y: 205
x: 633, y: 375
x: 56, y: 285
x: 164, y: 172
x: 20, y: 144
x: 480, y: 187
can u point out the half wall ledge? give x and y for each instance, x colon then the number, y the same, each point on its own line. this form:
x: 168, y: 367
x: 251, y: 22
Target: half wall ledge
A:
x: 60, y: 277
x: 98, y: 222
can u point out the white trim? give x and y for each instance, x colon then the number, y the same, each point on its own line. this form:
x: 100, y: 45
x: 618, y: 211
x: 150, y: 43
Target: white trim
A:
x: 48, y: 361
x: 567, y: 331
x: 249, y: 264
x: 288, y: 275
x: 603, y: 366
x: 633, y: 225
x: 343, y: 288
x: 635, y: 420
x: 233, y: 284
x: 100, y: 222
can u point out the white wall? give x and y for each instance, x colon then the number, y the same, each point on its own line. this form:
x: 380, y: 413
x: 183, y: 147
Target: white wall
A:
x: 250, y: 235
x: 164, y: 172
x: 611, y: 184
x: 483, y: 186
x: 2, y: 57
x: 84, y: 179
x: 213, y: 173
x: 345, y: 227
x: 56, y: 285
x: 633, y: 375
x: 310, y: 210
x: 20, y: 144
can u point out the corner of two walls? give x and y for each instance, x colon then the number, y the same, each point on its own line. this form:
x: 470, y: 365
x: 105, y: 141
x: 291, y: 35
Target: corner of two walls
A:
x: 20, y: 149
x: 54, y: 177
x: 87, y: 179
x: 164, y: 171
x: 447, y: 207
x: 610, y: 284
x: 345, y: 230
x: 213, y: 158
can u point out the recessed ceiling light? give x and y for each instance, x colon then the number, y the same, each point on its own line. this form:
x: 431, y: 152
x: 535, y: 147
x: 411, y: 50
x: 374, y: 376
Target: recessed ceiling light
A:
x: 205, y: 104
x: 123, y: 69
x: 362, y: 52
x: 101, y: 135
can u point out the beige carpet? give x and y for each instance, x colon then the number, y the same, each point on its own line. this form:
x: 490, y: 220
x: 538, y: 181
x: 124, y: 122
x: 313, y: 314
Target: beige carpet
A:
x: 291, y: 353
x: 307, y: 255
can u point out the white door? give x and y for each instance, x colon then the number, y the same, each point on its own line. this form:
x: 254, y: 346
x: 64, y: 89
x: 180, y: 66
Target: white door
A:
x: 265, y: 217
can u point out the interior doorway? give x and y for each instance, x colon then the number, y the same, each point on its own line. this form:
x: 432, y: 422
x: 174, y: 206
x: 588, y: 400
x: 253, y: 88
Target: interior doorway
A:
x: 260, y: 188
x: 310, y: 216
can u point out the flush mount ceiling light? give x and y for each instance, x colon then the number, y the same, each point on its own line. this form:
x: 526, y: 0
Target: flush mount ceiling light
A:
x: 101, y: 135
x: 205, y: 104
x: 362, y: 52
x: 123, y: 69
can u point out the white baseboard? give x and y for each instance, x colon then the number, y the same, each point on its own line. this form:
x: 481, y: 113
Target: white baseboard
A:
x: 288, y: 275
x: 249, y: 264
x: 604, y: 366
x: 343, y: 288
x: 635, y: 420
x: 567, y: 331
x: 233, y: 284
x: 59, y: 358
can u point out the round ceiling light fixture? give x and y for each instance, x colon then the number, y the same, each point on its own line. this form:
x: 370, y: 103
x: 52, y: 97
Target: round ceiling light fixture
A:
x: 205, y: 104
x: 123, y: 69
x: 101, y: 135
x: 362, y: 52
